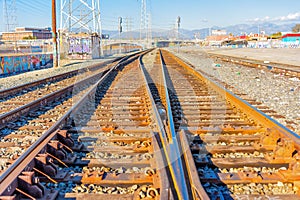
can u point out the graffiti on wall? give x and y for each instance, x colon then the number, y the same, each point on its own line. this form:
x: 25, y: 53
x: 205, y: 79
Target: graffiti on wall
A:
x: 79, y: 45
x: 17, y: 64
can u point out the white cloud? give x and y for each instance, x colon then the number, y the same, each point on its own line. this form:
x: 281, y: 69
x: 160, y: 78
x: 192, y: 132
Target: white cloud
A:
x: 265, y: 19
x: 289, y: 17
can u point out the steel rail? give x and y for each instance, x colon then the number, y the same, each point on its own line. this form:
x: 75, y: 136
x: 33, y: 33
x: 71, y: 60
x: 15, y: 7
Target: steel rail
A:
x: 259, y: 116
x: 161, y: 129
x: 160, y: 126
x: 13, y: 90
x: 168, y: 153
x: 198, y: 191
x: 16, y: 113
x: 174, y: 151
x: 277, y: 67
x: 10, y: 175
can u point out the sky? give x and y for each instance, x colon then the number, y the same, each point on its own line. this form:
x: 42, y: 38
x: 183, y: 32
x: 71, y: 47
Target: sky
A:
x: 195, y: 14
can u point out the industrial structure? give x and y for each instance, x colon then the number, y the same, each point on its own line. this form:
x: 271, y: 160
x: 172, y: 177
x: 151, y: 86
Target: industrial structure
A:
x: 80, y: 16
x: 9, y: 15
x: 291, y: 37
x: 145, y: 24
x: 22, y: 33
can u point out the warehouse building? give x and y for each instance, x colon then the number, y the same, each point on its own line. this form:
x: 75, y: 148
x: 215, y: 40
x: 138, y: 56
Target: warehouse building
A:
x: 291, y: 37
x: 22, y: 33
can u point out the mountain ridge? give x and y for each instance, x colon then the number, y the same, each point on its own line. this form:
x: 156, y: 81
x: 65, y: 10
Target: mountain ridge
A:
x: 201, y: 33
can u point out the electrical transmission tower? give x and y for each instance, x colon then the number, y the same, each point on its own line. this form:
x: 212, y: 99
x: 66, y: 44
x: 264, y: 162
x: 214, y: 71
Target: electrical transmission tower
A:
x: 145, y: 26
x: 149, y: 29
x: 80, y: 15
x: 9, y: 15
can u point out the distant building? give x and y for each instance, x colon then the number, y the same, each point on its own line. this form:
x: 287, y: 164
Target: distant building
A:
x: 242, y: 37
x: 216, y: 39
x: 218, y: 32
x: 257, y: 37
x: 291, y: 37
x: 23, y: 32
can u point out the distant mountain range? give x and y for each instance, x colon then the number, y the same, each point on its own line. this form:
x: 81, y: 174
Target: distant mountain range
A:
x: 238, y: 29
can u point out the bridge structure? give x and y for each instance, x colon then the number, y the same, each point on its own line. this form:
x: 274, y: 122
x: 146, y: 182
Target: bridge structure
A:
x: 132, y: 42
x: 90, y: 46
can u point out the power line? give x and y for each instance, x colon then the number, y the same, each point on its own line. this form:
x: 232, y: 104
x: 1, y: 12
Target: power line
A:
x: 9, y: 14
x: 33, y: 8
x: 88, y: 18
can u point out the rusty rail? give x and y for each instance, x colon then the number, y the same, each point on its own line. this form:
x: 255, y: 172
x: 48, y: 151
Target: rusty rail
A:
x: 172, y: 160
x: 20, y: 111
x: 250, y: 110
x: 176, y: 161
x: 18, y: 166
x: 8, y: 178
x: 174, y: 152
x: 24, y: 109
x: 275, y: 67
x: 16, y: 89
x: 273, y: 146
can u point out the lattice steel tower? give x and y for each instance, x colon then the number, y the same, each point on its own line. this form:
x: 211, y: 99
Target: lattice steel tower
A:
x: 9, y: 15
x: 149, y: 29
x: 143, y: 24
x: 80, y: 15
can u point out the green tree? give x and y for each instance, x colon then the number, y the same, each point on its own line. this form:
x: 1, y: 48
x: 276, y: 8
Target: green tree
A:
x: 276, y: 35
x: 29, y: 38
x: 296, y: 28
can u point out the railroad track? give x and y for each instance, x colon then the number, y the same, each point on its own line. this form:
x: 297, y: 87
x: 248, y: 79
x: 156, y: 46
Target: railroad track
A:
x: 18, y: 99
x: 22, y: 126
x: 18, y: 90
x: 291, y: 122
x: 103, y: 147
x: 149, y: 131
x: 274, y: 67
x: 239, y: 152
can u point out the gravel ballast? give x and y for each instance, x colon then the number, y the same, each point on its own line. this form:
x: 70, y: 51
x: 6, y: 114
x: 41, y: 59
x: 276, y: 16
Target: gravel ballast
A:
x: 278, y: 92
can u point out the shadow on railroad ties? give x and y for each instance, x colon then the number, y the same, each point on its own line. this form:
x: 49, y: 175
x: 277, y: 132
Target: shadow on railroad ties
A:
x: 23, y: 121
x: 42, y: 86
x: 13, y: 127
x: 161, y: 110
x: 207, y: 171
x: 80, y: 119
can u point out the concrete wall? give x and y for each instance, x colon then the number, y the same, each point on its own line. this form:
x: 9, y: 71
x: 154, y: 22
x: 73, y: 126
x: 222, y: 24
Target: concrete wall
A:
x: 10, y: 65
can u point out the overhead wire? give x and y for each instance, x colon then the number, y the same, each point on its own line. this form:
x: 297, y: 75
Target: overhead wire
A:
x: 35, y: 9
x: 30, y: 7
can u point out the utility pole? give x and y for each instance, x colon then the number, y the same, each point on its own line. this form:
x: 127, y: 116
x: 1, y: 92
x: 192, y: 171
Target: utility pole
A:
x: 54, y: 34
x: 149, y: 29
x: 128, y: 22
x: 178, y: 26
x: 120, y: 31
x: 143, y: 18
